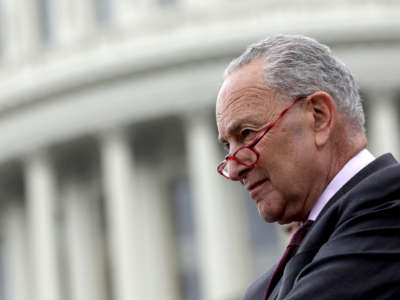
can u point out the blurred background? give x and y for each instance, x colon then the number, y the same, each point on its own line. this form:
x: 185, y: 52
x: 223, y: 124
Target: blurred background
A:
x: 108, y: 152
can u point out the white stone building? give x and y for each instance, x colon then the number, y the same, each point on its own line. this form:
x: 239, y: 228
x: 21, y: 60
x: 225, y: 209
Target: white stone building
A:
x: 108, y: 186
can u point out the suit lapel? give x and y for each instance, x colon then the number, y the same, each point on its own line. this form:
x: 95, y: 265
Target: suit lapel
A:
x: 297, y: 263
x: 293, y: 268
x: 379, y: 163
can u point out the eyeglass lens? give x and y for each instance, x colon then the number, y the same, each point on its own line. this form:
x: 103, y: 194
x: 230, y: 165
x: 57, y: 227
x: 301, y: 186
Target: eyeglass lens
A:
x: 244, y: 156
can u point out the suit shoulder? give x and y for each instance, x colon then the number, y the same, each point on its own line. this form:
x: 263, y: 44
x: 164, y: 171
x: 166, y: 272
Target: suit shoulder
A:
x: 256, y: 291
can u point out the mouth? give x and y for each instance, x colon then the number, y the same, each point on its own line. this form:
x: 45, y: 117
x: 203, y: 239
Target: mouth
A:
x: 254, y: 186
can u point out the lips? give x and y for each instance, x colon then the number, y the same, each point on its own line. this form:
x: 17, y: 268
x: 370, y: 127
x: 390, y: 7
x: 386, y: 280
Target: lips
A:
x: 256, y: 184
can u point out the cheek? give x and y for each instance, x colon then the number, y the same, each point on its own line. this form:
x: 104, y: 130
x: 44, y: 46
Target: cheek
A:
x: 288, y: 163
x: 297, y: 147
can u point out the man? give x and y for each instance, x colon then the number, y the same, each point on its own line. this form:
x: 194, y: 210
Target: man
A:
x: 290, y: 115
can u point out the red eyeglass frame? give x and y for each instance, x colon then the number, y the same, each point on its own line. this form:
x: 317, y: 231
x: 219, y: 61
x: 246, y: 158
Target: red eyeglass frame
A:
x: 251, y: 146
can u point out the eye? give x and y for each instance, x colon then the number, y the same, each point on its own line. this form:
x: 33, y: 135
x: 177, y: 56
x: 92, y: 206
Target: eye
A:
x: 246, y: 133
x: 226, y: 146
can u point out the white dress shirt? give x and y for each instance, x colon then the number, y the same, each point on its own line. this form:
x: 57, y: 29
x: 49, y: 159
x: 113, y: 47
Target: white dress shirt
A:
x: 351, y: 168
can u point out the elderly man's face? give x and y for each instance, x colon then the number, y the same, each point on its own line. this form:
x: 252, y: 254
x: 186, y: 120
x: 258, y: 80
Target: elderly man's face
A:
x: 280, y: 183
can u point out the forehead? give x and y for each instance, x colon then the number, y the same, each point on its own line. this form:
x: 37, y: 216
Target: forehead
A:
x: 244, y: 97
x: 247, y: 76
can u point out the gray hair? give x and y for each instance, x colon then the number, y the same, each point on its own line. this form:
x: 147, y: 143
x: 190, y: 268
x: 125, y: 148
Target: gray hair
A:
x: 297, y: 65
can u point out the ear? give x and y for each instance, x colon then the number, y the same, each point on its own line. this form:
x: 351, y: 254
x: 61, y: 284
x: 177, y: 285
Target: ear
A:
x: 324, y: 116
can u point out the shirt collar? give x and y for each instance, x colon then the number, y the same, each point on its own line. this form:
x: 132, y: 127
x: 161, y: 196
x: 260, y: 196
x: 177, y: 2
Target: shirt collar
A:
x: 351, y: 168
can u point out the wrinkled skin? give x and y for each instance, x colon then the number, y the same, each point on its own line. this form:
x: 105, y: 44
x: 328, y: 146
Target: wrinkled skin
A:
x: 297, y: 160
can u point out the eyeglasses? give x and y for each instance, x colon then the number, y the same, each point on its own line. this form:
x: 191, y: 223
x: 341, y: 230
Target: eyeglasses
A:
x: 247, y: 155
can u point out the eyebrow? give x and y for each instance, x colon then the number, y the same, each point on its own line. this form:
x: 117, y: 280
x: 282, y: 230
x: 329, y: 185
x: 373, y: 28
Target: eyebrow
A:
x: 233, y: 127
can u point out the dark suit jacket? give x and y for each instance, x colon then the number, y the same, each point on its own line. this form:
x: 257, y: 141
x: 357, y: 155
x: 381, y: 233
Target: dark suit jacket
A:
x: 352, y: 250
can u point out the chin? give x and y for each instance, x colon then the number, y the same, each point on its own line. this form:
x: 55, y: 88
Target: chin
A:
x: 267, y: 214
x: 272, y: 214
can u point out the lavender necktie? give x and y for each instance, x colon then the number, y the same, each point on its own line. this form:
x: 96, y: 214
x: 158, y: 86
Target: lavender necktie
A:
x: 290, y: 251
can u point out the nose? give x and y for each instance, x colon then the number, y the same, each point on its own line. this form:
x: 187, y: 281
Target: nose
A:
x: 236, y: 170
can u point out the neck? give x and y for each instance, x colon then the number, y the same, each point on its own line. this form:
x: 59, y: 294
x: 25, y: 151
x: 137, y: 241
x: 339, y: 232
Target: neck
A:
x: 335, y: 157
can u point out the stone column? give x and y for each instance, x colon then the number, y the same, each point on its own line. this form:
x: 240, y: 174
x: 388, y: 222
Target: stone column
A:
x: 16, y: 250
x: 19, y: 28
x: 383, y: 119
x: 72, y: 19
x: 124, y: 12
x: 41, y: 201
x: 282, y: 237
x: 123, y: 217
x: 222, y: 228
x: 198, y: 6
x: 85, y: 250
x: 10, y: 30
x: 161, y: 261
